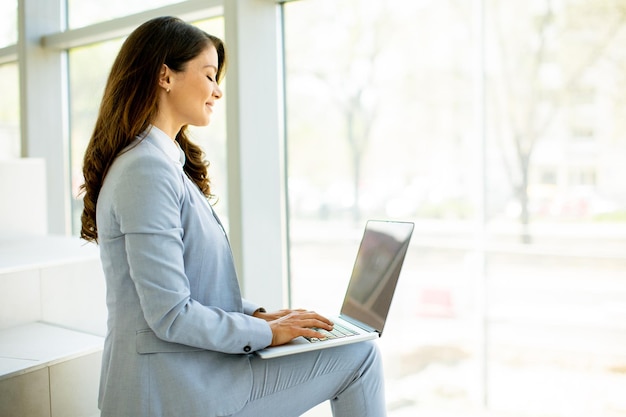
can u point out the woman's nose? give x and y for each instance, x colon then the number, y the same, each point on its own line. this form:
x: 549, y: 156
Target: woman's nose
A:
x: 217, y: 92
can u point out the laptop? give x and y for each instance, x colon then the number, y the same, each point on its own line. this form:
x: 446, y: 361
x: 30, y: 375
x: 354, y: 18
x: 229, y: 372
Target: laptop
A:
x: 368, y: 298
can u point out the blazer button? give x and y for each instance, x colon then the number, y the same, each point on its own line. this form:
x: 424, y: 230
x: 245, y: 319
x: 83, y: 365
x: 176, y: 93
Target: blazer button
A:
x: 247, y: 349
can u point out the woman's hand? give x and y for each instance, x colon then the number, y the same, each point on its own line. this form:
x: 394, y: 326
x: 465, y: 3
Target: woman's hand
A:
x: 289, y: 324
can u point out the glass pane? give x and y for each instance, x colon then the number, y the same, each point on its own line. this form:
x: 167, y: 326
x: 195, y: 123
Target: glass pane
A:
x: 86, y: 12
x: 379, y: 107
x: 8, y: 22
x: 212, y: 138
x: 380, y: 125
x: 9, y: 112
x: 557, y: 207
x: 89, y: 69
x: 556, y: 130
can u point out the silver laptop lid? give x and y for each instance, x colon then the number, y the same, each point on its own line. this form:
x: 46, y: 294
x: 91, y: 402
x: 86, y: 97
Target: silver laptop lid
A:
x: 376, y: 271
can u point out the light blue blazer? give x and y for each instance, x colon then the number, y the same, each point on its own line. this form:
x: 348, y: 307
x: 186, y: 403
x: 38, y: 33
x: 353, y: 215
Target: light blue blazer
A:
x: 179, y: 334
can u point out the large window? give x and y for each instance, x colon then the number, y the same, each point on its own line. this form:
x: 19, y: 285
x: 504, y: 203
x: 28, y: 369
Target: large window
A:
x: 556, y: 267
x: 499, y: 133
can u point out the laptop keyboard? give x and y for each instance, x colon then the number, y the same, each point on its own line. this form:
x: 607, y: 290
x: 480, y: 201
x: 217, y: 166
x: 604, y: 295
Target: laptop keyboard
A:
x: 337, y: 332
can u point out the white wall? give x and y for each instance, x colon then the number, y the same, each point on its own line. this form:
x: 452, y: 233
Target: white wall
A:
x: 23, y: 210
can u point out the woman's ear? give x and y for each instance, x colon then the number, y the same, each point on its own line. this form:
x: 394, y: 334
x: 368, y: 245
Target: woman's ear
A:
x: 165, y: 78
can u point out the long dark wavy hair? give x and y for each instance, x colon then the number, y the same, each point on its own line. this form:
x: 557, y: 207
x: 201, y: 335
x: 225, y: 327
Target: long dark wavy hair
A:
x: 129, y: 104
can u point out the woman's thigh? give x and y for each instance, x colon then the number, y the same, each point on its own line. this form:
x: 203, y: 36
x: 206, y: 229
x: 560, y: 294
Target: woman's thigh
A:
x: 288, y: 386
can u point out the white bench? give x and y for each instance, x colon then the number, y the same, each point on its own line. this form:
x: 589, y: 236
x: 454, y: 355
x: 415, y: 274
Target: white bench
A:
x: 52, y: 323
x: 46, y: 370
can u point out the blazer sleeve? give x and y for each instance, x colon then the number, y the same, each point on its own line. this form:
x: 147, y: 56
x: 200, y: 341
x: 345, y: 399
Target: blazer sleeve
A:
x: 147, y: 205
x: 249, y: 307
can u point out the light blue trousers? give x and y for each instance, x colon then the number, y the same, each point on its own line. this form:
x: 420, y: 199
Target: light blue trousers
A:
x: 350, y: 376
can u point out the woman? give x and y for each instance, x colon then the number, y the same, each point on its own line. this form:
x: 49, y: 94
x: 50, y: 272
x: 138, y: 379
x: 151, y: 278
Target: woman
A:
x: 180, y: 336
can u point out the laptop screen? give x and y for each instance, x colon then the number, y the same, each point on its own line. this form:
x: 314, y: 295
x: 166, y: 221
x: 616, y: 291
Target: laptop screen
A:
x: 376, y: 271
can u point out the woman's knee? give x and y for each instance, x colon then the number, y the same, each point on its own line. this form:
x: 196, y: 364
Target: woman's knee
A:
x: 367, y: 355
x: 369, y: 349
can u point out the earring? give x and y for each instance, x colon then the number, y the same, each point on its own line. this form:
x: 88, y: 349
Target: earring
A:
x: 168, y: 90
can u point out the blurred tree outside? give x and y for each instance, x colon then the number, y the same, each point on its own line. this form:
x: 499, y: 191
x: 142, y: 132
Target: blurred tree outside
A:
x: 543, y: 87
x: 355, y: 96
x: 371, y: 98
x: 380, y: 101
